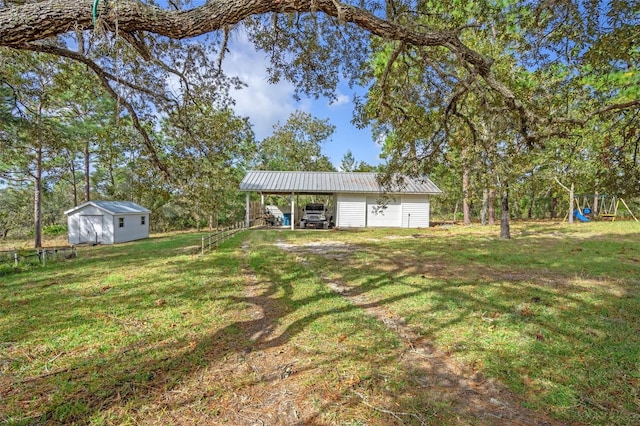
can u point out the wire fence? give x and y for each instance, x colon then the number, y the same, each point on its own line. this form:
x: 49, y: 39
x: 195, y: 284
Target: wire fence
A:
x: 38, y: 256
x: 214, y: 240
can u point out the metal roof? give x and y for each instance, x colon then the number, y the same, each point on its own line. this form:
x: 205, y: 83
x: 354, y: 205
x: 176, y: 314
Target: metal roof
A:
x: 330, y: 182
x: 113, y: 207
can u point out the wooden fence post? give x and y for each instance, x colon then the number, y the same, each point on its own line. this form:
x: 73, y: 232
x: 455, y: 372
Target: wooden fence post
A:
x: 202, y: 247
x: 15, y: 257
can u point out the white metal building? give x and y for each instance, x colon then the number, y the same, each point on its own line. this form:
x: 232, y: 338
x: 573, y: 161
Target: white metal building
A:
x: 107, y: 222
x: 356, y: 196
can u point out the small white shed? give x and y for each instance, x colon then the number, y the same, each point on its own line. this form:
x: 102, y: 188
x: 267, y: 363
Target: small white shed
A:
x: 107, y: 222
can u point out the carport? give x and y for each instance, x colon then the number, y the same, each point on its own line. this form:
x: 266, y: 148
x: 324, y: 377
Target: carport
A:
x: 356, y: 196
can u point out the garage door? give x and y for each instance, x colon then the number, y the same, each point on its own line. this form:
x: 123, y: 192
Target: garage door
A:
x: 415, y: 211
x: 351, y: 211
x: 389, y: 215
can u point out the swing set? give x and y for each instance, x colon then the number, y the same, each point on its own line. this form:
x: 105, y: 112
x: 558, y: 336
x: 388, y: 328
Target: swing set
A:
x: 605, y: 206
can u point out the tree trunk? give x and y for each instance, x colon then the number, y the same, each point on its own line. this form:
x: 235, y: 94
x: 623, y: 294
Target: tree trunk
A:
x: 571, y: 198
x: 505, y: 232
x: 531, y: 204
x: 492, y: 206
x: 37, y: 199
x: 466, y: 210
x: 554, y: 207
x: 112, y: 179
x: 485, y: 206
x: 87, y: 180
x: 74, y: 180
x: 594, y: 213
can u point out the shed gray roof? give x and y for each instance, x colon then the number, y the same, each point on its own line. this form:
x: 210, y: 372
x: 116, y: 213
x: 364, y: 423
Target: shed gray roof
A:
x: 112, y: 207
x: 329, y: 182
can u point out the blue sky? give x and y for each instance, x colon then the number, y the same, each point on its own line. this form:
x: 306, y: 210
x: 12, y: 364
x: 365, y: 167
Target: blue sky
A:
x: 267, y: 104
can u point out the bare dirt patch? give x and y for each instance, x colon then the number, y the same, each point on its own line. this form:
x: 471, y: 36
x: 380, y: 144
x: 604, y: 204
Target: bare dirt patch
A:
x: 325, y: 248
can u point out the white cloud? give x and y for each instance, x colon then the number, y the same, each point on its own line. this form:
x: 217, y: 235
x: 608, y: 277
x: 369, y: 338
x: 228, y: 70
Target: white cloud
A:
x: 264, y: 103
x: 341, y: 99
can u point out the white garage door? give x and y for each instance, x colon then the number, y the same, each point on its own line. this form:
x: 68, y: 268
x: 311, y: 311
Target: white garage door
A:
x: 415, y: 211
x: 91, y: 229
x: 389, y: 215
x: 351, y: 211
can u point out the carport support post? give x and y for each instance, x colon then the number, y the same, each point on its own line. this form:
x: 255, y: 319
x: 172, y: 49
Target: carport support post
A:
x: 247, y: 211
x: 293, y: 210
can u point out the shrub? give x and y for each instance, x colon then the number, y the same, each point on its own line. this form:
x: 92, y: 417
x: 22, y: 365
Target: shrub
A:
x: 54, y: 230
x: 6, y: 269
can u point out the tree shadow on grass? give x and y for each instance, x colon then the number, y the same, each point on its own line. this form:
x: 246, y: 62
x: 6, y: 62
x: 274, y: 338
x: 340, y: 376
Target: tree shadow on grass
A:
x: 44, y: 299
x: 147, y: 363
x: 563, y: 315
x: 257, y: 343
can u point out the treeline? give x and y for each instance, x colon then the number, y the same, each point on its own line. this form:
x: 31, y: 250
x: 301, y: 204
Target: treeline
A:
x: 66, y: 141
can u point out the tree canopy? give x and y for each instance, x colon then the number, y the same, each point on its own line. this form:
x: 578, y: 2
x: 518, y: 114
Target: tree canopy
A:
x: 296, y: 145
x: 495, y: 90
x: 313, y: 41
x: 316, y: 42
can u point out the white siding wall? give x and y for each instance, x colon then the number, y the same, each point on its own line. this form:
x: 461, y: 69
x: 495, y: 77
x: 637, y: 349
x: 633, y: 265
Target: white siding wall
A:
x: 132, y: 230
x: 108, y: 230
x: 73, y: 229
x: 415, y: 211
x: 357, y: 211
x: 351, y: 211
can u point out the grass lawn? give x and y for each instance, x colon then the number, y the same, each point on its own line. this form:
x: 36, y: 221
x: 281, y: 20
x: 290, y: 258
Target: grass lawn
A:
x: 150, y: 333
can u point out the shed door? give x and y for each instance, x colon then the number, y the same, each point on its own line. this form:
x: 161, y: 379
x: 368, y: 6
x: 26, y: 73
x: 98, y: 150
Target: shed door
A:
x: 389, y: 215
x: 91, y: 229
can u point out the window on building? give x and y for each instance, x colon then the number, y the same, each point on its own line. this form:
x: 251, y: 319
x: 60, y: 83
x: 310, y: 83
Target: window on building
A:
x: 121, y: 222
x: 142, y: 220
